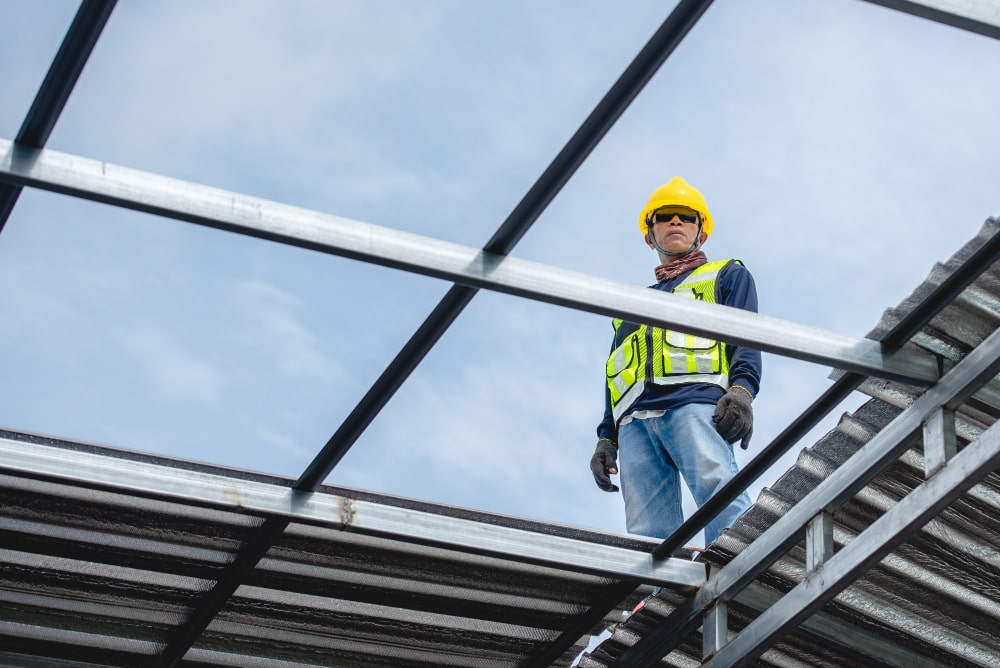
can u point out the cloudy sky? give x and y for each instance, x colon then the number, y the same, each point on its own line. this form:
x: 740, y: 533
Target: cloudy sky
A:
x: 844, y: 148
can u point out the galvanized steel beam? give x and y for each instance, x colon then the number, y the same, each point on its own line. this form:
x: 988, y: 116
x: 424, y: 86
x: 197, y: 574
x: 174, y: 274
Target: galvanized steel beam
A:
x: 211, y: 207
x: 878, y: 540
x: 980, y: 365
x: 829, y: 628
x: 283, y: 504
x: 979, y: 16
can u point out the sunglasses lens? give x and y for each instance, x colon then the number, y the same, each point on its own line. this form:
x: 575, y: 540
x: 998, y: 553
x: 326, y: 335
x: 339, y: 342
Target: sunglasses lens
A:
x: 667, y: 217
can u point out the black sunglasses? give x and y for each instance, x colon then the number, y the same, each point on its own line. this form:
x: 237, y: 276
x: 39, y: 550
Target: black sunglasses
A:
x: 667, y: 217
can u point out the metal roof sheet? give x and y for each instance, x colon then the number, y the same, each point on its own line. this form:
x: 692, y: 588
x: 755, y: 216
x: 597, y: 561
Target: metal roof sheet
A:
x: 100, y: 566
x: 934, y: 600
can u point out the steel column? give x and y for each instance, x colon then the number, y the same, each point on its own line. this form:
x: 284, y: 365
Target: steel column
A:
x: 715, y: 630
x: 940, y: 441
x: 819, y: 541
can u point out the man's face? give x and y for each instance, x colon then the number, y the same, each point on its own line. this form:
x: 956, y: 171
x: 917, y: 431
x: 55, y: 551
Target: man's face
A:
x: 675, y: 229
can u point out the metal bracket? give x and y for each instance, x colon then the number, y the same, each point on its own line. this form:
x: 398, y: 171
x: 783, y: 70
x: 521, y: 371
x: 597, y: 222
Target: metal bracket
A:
x: 940, y: 440
x: 819, y: 541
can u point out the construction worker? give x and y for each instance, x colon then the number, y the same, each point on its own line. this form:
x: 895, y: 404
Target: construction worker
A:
x: 675, y: 403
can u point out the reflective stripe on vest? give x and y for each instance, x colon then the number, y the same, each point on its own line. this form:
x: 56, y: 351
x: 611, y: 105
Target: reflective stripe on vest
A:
x: 677, y: 358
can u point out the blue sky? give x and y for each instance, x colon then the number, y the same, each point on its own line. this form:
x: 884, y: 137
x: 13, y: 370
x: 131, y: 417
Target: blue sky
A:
x: 844, y: 149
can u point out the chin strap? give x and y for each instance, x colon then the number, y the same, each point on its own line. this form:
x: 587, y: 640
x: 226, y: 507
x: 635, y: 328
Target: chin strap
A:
x: 694, y: 246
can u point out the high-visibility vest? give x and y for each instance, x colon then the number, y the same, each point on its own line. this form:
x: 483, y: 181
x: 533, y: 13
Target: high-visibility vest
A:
x: 677, y: 358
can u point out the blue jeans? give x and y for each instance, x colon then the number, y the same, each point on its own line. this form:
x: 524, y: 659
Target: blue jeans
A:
x: 652, y: 456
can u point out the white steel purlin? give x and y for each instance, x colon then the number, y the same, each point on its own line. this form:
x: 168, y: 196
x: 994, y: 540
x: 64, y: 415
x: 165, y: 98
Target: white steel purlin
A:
x: 282, y: 223
x: 84, y: 471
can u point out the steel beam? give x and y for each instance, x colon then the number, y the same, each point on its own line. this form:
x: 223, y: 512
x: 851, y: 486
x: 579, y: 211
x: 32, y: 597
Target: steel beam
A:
x: 955, y: 387
x: 65, y: 70
x: 282, y: 504
x: 979, y: 16
x: 878, y: 540
x: 211, y: 207
x: 715, y: 628
x: 828, y: 628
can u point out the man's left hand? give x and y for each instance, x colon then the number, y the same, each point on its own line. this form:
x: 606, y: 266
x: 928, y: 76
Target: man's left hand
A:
x: 734, y: 416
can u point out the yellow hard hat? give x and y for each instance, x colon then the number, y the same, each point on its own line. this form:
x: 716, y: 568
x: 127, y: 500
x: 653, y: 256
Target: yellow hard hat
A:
x: 677, y: 192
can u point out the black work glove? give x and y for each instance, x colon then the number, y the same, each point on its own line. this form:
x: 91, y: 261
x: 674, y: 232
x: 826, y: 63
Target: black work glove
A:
x: 603, y: 463
x: 734, y: 416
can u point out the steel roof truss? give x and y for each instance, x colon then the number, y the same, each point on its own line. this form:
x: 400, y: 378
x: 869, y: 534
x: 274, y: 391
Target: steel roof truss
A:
x: 836, y: 630
x: 904, y: 330
x: 896, y: 526
x: 977, y: 368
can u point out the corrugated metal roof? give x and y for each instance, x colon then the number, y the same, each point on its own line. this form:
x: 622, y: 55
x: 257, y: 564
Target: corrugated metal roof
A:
x: 104, y: 570
x: 935, y: 600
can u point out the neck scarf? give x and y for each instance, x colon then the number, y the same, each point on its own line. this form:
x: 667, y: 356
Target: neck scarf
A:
x: 679, y: 265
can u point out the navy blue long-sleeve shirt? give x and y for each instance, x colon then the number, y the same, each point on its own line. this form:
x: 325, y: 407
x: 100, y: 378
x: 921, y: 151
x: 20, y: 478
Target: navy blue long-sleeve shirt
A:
x: 735, y: 287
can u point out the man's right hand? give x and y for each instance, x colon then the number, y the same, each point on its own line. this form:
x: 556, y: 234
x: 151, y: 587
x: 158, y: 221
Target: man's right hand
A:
x: 605, y: 463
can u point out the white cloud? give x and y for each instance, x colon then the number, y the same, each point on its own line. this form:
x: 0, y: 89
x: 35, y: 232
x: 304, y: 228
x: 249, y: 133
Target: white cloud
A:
x: 270, y: 325
x: 175, y: 371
